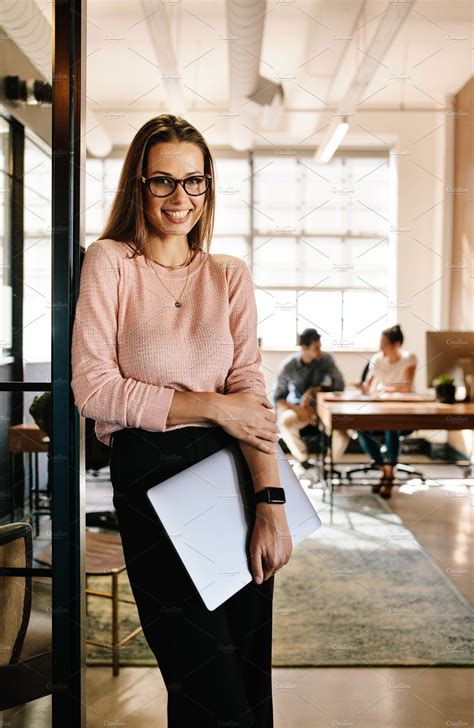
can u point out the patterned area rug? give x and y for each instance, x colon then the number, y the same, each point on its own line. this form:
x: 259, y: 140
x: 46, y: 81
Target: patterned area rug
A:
x: 361, y: 591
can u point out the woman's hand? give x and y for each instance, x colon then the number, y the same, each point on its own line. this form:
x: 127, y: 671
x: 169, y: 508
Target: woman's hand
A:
x: 249, y: 417
x: 270, y: 543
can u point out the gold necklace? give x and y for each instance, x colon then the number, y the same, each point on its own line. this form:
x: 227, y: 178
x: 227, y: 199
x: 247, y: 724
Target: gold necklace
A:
x: 177, y: 302
x: 173, y: 267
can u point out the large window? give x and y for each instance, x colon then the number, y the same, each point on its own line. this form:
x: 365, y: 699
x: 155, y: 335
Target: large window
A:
x: 37, y: 252
x: 316, y: 237
x: 102, y: 177
x: 321, y: 248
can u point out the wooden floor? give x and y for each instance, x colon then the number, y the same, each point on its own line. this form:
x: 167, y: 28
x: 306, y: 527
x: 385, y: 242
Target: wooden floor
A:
x: 420, y: 697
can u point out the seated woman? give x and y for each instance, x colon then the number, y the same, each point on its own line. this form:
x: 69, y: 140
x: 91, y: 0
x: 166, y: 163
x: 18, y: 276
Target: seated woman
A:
x: 392, y: 369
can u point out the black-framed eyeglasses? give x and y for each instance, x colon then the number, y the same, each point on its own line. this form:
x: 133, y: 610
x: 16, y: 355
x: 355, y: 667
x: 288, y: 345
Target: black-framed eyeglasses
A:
x: 162, y: 186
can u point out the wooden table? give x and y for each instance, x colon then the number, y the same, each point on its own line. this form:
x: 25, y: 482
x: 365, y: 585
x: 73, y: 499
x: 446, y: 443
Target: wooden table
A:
x: 355, y: 395
x: 390, y: 415
x: 337, y: 413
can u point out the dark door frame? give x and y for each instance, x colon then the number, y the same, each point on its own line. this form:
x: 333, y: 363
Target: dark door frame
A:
x: 68, y: 463
x: 66, y: 452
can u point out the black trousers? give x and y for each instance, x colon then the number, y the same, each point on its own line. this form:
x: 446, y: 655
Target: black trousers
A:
x: 216, y: 665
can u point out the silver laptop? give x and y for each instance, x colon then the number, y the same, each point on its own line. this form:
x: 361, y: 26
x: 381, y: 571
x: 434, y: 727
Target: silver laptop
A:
x: 206, y: 511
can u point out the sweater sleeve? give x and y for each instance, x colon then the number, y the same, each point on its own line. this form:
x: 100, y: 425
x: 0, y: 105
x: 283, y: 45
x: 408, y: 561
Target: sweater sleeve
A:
x: 244, y: 374
x: 100, y: 390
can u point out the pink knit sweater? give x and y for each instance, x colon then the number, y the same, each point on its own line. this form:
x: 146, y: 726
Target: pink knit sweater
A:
x: 132, y: 347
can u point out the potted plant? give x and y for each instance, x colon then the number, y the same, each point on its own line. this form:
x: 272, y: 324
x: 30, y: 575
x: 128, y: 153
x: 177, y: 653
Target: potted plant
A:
x: 445, y: 389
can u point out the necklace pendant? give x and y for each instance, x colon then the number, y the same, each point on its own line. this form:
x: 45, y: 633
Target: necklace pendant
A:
x: 178, y: 304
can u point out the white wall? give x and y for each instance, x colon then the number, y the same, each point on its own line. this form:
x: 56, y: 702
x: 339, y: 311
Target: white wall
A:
x: 421, y: 146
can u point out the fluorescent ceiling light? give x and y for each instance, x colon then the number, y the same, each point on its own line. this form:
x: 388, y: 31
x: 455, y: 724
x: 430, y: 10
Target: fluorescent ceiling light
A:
x: 325, y: 151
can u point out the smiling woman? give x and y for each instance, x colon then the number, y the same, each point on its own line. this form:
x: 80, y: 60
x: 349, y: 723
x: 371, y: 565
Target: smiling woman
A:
x: 157, y: 185
x: 175, y: 197
x: 165, y: 359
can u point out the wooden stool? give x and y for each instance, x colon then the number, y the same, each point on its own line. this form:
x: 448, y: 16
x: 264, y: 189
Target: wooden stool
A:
x: 104, y: 557
x: 31, y: 439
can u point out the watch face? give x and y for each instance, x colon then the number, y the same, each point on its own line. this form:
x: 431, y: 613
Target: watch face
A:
x: 276, y: 495
x: 270, y: 495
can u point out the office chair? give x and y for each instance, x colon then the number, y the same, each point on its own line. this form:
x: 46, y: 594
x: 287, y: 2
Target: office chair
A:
x: 26, y: 659
x: 401, y: 467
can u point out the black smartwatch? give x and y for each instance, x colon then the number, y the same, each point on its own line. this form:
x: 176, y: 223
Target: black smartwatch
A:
x: 270, y: 495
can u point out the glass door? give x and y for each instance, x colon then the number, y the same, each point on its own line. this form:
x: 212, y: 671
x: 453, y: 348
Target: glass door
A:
x: 42, y: 482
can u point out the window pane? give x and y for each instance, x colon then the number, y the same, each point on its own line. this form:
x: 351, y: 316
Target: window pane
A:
x: 368, y: 203
x: 37, y: 174
x: 365, y: 315
x: 231, y: 246
x: 276, y: 311
x: 94, y: 188
x: 275, y: 262
x: 324, y: 208
x: 323, y: 262
x: 321, y: 310
x: 276, y: 192
x: 102, y: 180
x: 368, y: 262
x: 232, y: 196
x: 112, y: 169
x: 37, y: 255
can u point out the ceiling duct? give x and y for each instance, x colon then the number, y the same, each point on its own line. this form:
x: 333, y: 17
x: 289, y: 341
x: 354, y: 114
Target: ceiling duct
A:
x: 254, y: 100
x: 25, y: 24
x: 158, y: 22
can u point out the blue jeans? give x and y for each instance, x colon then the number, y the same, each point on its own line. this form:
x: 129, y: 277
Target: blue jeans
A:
x: 372, y: 446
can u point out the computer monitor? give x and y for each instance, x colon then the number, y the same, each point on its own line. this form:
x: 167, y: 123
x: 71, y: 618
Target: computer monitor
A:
x: 452, y: 353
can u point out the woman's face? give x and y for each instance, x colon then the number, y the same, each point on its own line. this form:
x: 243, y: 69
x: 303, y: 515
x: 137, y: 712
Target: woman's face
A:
x: 387, y: 347
x: 178, y: 160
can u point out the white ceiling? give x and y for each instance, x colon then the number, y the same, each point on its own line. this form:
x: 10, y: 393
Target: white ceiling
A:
x: 311, y: 48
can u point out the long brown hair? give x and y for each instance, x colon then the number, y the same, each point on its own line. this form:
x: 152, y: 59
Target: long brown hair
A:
x: 126, y: 222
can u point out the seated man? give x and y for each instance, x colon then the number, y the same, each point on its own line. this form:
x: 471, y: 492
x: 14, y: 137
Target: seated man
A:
x: 299, y: 376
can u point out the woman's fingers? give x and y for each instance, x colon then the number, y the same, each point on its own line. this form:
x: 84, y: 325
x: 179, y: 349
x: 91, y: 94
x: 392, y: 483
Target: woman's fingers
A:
x: 261, y: 570
x: 267, y: 557
x: 270, y: 569
x: 268, y: 435
x: 265, y: 445
x: 256, y: 563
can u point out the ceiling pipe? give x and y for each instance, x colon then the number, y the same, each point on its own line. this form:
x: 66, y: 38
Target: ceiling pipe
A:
x: 27, y: 27
x: 250, y: 94
x: 159, y: 29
